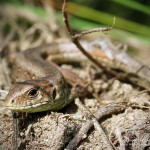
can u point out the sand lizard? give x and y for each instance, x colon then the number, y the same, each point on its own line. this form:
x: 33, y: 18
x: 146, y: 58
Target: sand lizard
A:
x: 39, y: 85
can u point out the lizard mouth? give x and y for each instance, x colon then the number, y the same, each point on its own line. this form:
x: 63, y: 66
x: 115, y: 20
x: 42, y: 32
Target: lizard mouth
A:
x: 37, y: 107
x: 28, y: 108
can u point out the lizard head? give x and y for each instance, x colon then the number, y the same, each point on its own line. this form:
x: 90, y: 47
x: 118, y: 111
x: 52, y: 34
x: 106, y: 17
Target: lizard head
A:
x: 37, y: 95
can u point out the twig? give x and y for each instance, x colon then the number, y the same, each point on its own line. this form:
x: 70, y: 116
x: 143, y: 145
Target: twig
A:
x: 100, y: 29
x: 107, y: 110
x: 3, y: 94
x: 73, y: 80
x: 3, y: 91
x: 7, y: 40
x: 96, y: 124
x: 74, y: 38
x: 15, y: 130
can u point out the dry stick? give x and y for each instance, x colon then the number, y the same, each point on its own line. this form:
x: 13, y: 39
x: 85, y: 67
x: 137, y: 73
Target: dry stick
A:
x: 15, y: 131
x: 97, y: 126
x: 105, y: 111
x: 73, y: 79
x: 101, y: 29
x: 4, y: 92
x: 7, y: 40
x: 74, y: 38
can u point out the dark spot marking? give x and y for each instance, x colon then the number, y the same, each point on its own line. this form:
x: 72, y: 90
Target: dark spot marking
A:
x: 54, y: 93
x: 50, y: 85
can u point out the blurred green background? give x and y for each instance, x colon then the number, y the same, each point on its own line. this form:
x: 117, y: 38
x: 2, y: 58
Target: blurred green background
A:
x: 132, y: 25
x: 131, y: 15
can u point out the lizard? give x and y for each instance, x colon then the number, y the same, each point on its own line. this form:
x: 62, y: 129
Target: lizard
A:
x: 39, y: 86
x: 44, y: 80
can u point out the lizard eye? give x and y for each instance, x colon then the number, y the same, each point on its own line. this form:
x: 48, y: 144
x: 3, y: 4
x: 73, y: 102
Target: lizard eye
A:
x: 33, y: 93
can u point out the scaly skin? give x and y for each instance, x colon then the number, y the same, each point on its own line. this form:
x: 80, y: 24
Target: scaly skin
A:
x: 41, y: 86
